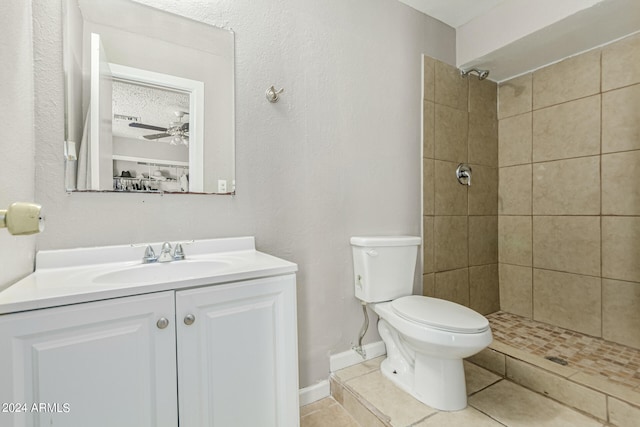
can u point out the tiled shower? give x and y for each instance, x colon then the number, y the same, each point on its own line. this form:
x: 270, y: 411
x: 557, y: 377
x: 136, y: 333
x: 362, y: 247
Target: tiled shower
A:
x: 550, y: 228
x: 460, y: 222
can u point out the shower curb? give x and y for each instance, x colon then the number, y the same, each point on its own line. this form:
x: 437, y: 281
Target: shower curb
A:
x: 594, y: 396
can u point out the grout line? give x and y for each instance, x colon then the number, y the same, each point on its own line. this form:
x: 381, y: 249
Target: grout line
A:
x: 565, y: 102
x: 424, y: 419
x: 602, y: 311
x: 482, y: 411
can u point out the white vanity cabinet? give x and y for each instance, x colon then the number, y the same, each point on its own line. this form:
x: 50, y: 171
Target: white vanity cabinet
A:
x: 103, y: 363
x: 223, y: 355
x: 237, y: 354
x: 101, y: 339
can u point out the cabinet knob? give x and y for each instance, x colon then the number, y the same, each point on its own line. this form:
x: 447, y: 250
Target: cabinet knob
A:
x: 189, y: 319
x: 162, y: 323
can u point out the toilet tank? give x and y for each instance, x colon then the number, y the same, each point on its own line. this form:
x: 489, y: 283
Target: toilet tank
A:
x: 384, y: 266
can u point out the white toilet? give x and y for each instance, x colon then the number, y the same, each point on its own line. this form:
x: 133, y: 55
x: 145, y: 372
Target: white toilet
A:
x: 426, y: 338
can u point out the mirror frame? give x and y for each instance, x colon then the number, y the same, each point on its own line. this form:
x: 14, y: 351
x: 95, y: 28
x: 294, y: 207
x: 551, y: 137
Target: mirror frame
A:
x: 219, y: 43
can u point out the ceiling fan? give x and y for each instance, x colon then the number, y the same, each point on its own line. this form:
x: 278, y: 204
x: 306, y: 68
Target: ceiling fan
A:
x: 178, y: 130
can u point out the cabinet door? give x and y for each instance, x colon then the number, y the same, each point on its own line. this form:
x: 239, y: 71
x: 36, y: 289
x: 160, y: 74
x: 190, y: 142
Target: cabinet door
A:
x: 95, y: 364
x: 237, y: 361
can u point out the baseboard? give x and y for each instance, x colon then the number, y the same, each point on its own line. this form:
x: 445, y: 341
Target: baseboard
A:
x: 350, y: 357
x: 314, y: 392
x: 339, y: 361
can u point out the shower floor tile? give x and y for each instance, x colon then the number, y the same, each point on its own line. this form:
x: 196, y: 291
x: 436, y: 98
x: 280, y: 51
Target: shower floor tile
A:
x: 615, y: 363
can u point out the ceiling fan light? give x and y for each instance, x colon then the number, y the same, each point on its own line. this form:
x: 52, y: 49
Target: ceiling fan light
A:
x: 176, y: 140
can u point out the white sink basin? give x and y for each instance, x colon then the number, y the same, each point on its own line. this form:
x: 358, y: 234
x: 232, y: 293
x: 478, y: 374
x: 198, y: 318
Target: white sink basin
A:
x: 162, y: 272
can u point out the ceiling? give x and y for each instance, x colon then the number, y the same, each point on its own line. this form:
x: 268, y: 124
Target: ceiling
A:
x: 154, y: 106
x: 453, y: 12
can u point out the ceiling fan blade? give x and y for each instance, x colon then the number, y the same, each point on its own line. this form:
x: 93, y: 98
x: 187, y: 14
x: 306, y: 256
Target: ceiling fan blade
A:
x: 185, y: 127
x: 156, y: 136
x: 150, y: 127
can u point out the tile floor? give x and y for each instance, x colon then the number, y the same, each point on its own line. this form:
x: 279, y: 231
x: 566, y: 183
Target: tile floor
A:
x: 363, y: 397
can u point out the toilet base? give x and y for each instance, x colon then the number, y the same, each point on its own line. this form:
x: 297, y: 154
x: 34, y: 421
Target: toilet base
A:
x: 436, y: 382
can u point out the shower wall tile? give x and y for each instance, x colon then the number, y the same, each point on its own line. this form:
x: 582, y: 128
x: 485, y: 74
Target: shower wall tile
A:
x: 514, y: 140
x: 620, y: 124
x: 429, y: 78
x: 514, y: 240
x: 483, y: 97
x: 428, y: 130
x: 459, y: 126
x: 484, y: 289
x: 451, y: 88
x: 429, y: 285
x: 567, y: 130
x: 620, y: 192
x: 514, y: 96
x: 451, y: 130
x: 483, y: 240
x: 514, y: 193
x: 568, y: 146
x: 567, y: 243
x: 427, y: 244
x: 573, y: 78
x: 516, y: 289
x: 483, y: 139
x: 620, y: 314
x: 568, y: 300
x: 567, y: 187
x: 450, y: 196
x: 621, y: 63
x: 453, y: 286
x: 483, y: 193
x: 621, y: 248
x: 428, y: 186
x: 451, y: 242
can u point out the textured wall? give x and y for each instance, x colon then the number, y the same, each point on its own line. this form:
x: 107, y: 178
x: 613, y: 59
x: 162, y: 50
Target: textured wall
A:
x: 569, y: 225
x: 338, y: 156
x: 16, y: 135
x: 460, y: 222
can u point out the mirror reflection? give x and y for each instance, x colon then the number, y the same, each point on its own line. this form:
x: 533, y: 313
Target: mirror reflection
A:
x: 148, y: 110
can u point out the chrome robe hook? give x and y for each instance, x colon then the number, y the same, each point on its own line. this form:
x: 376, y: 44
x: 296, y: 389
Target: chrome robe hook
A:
x: 273, y: 95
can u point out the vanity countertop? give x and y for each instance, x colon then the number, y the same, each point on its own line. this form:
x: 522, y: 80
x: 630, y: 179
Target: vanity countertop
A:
x: 72, y: 276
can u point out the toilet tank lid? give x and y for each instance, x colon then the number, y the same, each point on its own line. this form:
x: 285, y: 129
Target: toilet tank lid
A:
x: 386, y: 241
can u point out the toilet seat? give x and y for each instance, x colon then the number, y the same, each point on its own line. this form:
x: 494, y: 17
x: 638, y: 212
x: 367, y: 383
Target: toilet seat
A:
x: 440, y: 314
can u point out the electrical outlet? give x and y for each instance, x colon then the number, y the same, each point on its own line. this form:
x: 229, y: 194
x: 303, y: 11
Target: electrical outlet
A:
x: 222, y: 186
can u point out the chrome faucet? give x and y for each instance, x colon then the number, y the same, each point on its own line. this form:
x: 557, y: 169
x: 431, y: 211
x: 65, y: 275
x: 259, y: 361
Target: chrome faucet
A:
x: 165, y: 253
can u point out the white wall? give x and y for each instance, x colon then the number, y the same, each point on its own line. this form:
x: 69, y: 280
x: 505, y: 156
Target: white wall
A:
x: 338, y: 156
x: 16, y: 133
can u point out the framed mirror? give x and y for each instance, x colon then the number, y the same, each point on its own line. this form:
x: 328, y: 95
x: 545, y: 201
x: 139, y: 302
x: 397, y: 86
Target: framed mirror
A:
x: 149, y: 100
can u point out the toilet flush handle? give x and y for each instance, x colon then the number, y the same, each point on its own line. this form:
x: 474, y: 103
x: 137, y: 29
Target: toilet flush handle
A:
x: 372, y: 252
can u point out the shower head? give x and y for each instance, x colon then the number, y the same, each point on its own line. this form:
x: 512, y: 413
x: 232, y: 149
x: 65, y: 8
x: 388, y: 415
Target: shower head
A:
x: 482, y: 74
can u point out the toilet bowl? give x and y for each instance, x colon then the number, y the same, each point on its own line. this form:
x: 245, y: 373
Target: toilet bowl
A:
x: 426, y: 338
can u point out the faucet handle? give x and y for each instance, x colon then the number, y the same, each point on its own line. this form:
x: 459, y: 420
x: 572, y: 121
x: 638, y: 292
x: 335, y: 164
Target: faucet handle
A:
x: 178, y: 252
x: 149, y: 255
